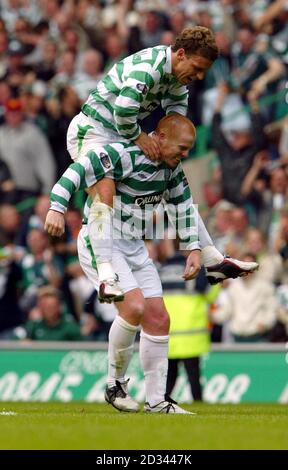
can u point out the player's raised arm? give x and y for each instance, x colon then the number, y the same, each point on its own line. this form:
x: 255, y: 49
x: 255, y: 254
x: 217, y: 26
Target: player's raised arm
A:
x: 60, y: 196
x: 84, y: 174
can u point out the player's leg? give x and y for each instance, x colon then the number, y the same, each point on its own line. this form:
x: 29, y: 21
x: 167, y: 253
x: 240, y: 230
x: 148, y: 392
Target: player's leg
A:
x: 154, y: 357
x: 123, y: 330
x: 153, y: 348
x: 121, y: 345
x: 83, y: 135
x: 100, y: 229
x: 122, y: 334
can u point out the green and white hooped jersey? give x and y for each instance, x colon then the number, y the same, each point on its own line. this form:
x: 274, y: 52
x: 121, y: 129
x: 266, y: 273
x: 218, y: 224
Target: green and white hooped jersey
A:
x: 141, y: 186
x: 133, y: 88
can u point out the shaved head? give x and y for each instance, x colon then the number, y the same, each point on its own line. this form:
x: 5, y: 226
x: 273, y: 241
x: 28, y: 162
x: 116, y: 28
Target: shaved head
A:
x: 173, y: 122
x: 176, y: 135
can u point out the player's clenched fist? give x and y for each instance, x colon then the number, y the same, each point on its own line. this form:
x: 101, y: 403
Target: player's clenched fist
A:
x: 54, y: 223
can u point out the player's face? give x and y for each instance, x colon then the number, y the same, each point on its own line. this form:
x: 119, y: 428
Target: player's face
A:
x: 176, y: 146
x: 189, y: 68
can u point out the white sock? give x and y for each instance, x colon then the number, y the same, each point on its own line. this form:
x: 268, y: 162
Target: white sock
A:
x: 101, y: 237
x: 210, y: 255
x: 121, y: 344
x: 153, y: 356
x: 105, y: 271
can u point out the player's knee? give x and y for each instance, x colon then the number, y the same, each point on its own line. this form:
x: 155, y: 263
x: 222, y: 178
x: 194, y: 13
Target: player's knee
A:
x: 160, y: 322
x: 138, y: 309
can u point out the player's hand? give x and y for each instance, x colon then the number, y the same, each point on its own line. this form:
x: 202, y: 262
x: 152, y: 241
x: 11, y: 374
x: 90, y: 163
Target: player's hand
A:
x: 193, y: 265
x: 54, y: 223
x: 149, y: 146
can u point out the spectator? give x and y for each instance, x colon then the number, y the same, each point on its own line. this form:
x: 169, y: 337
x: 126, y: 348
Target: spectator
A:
x: 115, y: 50
x: 221, y: 225
x: 151, y: 29
x: 39, y: 267
x: 251, y: 305
x: 51, y: 324
x: 87, y: 79
x: 236, y: 154
x: 10, y: 223
x: 167, y: 37
x: 46, y: 68
x: 178, y: 21
x: 187, y: 305
x: 253, y: 188
x: 270, y: 264
x: 26, y: 152
x: 7, y: 185
x: 33, y: 102
x: 240, y: 223
x: 40, y: 210
x: 254, y: 69
x: 62, y: 109
x: 66, y: 70
x: 16, y: 67
x: 222, y: 67
x: 272, y: 200
x: 212, y: 189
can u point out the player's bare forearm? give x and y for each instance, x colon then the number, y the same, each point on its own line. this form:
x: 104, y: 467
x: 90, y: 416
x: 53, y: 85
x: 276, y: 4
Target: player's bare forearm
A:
x: 103, y: 191
x: 54, y: 223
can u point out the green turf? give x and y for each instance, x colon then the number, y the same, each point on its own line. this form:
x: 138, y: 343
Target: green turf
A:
x: 98, y: 426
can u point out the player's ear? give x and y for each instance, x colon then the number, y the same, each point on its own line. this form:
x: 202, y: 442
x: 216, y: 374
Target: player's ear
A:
x: 180, y: 53
x: 162, y: 136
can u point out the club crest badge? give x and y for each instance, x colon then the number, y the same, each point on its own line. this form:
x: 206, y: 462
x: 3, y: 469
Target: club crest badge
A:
x: 185, y: 182
x: 105, y: 161
x: 141, y: 87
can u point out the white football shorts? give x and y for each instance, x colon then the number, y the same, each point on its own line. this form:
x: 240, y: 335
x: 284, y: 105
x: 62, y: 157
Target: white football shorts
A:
x: 84, y: 134
x: 130, y: 261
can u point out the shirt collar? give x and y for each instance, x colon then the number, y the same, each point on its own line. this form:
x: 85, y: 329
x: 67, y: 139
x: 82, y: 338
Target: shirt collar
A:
x: 168, y: 65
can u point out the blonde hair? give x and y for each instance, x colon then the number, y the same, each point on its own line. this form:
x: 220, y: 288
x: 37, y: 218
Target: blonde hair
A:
x: 199, y: 41
x: 48, y: 291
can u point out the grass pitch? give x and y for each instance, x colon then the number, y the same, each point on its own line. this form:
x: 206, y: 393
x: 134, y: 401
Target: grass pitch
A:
x: 79, y: 425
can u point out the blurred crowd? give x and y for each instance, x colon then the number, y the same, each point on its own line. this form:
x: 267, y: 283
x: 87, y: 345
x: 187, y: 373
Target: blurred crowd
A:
x: 52, y: 54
